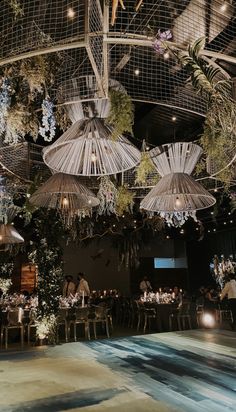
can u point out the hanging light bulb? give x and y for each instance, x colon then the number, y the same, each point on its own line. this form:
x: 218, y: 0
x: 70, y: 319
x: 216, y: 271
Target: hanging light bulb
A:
x: 93, y: 157
x: 70, y: 13
x: 173, y: 118
x: 65, y: 202
x: 224, y: 6
x: 178, y: 203
x: 1, y: 237
x: 166, y: 55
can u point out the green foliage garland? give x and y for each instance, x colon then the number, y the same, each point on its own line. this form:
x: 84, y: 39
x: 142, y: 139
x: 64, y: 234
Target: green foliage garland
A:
x: 124, y: 200
x: 121, y: 116
x: 144, y: 169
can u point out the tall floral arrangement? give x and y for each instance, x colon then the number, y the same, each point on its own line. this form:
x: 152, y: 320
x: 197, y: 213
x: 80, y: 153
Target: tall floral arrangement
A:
x: 46, y: 254
x: 6, y: 269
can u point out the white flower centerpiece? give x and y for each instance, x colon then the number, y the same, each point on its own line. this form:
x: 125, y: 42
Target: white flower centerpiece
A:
x: 46, y: 328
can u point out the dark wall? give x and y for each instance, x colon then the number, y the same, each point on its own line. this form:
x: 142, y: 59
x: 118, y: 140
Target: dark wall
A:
x: 100, y: 263
x: 160, y: 277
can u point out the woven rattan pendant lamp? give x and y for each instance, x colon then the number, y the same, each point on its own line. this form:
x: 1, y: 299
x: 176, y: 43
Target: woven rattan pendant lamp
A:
x: 86, y: 149
x: 177, y: 196
x: 66, y: 194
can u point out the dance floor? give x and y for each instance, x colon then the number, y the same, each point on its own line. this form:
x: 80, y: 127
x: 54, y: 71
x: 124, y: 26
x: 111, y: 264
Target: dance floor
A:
x: 178, y: 371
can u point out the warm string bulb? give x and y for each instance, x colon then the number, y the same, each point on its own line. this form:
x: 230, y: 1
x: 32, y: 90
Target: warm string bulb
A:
x: 223, y: 7
x: 65, y: 202
x: 70, y: 13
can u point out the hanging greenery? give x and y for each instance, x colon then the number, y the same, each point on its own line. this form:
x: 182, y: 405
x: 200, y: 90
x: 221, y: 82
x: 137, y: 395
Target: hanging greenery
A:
x: 36, y: 72
x: 145, y: 168
x: 62, y: 118
x: 124, y: 200
x: 19, y: 122
x: 107, y: 196
x: 121, y: 115
x: 16, y: 8
x: 219, y: 136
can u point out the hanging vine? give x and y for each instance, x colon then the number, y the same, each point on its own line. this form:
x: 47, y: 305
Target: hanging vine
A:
x: 121, y: 115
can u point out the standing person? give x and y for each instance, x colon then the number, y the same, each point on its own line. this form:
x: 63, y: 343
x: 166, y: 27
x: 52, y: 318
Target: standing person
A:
x: 145, y: 285
x: 230, y: 291
x: 68, y: 287
x: 83, y: 287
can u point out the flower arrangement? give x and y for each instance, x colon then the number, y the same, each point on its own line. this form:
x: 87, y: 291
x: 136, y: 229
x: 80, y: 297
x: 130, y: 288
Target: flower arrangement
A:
x: 121, y: 115
x: 48, y: 128
x: 124, y: 200
x: 159, y: 42
x: 46, y: 328
x: 5, y: 102
x: 5, y: 285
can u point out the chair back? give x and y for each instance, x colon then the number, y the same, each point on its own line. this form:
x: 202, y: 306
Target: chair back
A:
x: 82, y: 314
x: 184, y: 309
x: 15, y: 317
x: 100, y: 312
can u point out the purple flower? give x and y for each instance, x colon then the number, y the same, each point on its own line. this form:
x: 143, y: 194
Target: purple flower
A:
x: 158, y: 43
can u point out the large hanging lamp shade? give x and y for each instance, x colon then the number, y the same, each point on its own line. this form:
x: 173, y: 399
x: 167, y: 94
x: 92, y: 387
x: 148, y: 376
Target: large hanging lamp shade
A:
x: 86, y: 149
x: 177, y: 196
x: 9, y: 235
x: 64, y: 191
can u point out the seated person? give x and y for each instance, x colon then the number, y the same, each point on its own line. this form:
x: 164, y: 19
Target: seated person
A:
x: 145, y: 285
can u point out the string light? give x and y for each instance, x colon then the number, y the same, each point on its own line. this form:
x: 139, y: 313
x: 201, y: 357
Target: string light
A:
x: 173, y: 118
x: 231, y: 221
x: 182, y: 231
x: 137, y: 72
x: 166, y: 55
x: 224, y: 223
x: 214, y: 230
x: 70, y: 13
x: 223, y: 7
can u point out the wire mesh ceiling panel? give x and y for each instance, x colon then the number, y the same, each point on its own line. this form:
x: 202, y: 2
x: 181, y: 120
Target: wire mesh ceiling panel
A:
x: 37, y: 25
x: 158, y: 78
x: 89, y: 45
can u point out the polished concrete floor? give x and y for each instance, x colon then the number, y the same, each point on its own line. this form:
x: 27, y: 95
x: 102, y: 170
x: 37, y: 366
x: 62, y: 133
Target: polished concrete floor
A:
x: 177, y: 371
